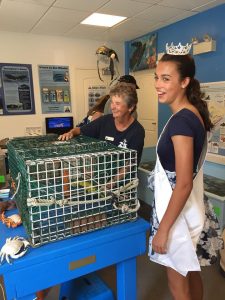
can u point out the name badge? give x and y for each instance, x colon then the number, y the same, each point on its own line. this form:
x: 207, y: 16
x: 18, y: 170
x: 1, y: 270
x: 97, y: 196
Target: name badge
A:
x: 109, y: 138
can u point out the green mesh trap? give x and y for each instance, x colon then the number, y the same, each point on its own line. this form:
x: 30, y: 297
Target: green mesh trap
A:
x: 72, y: 187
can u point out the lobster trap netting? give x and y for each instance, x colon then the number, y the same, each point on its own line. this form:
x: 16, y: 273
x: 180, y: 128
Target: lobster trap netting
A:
x: 68, y: 188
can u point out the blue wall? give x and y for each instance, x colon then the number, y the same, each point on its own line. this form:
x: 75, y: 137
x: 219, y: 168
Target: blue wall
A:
x: 210, y: 66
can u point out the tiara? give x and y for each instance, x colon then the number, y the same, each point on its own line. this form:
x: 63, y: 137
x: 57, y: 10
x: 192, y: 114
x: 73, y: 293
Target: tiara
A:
x: 178, y: 50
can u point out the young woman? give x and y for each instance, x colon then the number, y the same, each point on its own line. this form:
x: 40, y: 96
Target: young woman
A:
x: 184, y: 231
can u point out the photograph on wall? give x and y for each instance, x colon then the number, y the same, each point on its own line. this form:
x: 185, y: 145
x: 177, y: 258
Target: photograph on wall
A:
x: 16, y: 89
x: 215, y: 97
x: 55, y: 89
x: 142, y: 53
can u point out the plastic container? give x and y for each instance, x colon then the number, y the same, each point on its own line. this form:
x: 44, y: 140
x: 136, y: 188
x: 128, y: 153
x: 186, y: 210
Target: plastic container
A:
x: 88, y: 287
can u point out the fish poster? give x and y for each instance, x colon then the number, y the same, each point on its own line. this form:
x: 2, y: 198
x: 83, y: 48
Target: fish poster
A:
x: 142, y: 53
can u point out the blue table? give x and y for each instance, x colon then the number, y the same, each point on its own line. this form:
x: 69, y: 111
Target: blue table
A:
x: 61, y: 261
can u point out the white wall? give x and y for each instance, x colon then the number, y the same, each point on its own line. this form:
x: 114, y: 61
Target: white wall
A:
x: 50, y: 50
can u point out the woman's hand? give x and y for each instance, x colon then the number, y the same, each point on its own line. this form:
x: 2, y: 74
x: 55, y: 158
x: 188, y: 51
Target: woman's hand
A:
x: 159, y: 242
x: 70, y: 134
x: 66, y: 136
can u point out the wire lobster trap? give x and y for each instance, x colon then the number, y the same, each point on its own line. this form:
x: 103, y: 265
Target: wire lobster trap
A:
x: 71, y: 187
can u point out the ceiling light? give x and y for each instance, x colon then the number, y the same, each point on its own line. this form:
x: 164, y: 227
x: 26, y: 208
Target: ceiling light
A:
x: 102, y: 20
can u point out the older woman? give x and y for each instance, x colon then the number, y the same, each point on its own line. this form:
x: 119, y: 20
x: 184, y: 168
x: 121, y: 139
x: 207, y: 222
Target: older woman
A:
x: 118, y: 128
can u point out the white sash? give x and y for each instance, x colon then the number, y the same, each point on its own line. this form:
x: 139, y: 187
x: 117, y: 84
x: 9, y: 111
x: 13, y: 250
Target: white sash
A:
x: 184, y: 234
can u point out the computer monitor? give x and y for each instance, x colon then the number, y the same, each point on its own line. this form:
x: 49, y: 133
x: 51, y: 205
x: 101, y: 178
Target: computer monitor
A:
x: 58, y: 125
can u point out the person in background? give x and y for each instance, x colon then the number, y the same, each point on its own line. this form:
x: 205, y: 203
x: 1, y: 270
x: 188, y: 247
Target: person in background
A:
x: 119, y: 128
x: 95, y: 112
x: 184, y: 229
x: 128, y: 79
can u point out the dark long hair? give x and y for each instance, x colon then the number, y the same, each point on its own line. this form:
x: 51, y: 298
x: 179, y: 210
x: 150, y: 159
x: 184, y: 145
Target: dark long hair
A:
x: 186, y: 68
x: 99, y: 106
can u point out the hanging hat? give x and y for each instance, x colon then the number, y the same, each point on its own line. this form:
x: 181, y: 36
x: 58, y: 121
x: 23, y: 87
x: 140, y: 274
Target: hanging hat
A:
x: 128, y: 79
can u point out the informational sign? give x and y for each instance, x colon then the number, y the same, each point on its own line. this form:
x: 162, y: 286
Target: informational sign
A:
x: 215, y: 97
x: 55, y: 89
x: 94, y: 93
x: 16, y: 89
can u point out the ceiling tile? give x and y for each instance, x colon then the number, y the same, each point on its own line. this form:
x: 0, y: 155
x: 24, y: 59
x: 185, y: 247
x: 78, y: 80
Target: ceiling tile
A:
x: 63, y: 17
x: 58, y: 21
x: 124, y: 8
x: 85, y: 5
x: 85, y: 30
x: 51, y: 28
x: 182, y: 16
x: 16, y: 16
x: 147, y: 1
x: 39, y: 2
x: 134, y: 25
x: 188, y: 5
x: 159, y: 13
x: 208, y: 5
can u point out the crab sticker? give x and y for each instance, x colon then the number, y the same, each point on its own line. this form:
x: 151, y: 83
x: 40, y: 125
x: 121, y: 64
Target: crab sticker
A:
x: 13, y: 249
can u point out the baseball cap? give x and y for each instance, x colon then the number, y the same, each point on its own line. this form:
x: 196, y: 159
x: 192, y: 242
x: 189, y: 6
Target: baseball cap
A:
x: 128, y: 79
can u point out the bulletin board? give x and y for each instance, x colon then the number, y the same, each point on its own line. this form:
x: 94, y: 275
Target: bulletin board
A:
x: 215, y: 97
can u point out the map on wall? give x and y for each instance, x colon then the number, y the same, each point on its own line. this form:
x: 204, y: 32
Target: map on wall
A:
x: 215, y: 97
x: 142, y: 53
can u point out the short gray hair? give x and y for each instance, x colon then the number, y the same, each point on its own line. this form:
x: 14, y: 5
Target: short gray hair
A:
x: 127, y: 92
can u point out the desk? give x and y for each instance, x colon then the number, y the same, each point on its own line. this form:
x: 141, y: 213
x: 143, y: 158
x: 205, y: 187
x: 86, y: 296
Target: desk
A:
x: 61, y: 261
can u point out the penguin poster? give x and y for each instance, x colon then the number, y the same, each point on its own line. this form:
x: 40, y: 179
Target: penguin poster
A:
x: 142, y: 53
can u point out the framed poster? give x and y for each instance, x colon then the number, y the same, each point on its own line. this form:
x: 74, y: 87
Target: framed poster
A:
x: 55, y: 89
x: 94, y: 93
x: 215, y: 97
x: 142, y: 53
x: 16, y: 89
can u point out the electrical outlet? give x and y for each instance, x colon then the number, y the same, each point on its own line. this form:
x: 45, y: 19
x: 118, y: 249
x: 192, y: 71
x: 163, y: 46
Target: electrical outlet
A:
x: 33, y: 131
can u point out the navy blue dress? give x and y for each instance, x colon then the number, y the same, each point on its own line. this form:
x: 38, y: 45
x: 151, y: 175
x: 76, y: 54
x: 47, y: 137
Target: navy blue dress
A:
x: 185, y: 123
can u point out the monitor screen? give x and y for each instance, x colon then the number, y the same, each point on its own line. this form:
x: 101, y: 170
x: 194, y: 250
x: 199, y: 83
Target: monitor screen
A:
x: 58, y: 125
